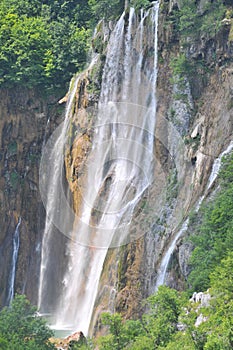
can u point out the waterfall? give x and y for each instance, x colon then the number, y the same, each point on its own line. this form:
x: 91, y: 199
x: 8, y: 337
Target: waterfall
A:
x: 15, y: 252
x: 167, y: 256
x: 217, y: 165
x: 119, y: 169
x: 53, y: 196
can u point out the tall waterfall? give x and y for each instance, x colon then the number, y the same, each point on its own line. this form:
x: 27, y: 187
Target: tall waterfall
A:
x: 119, y: 168
x: 15, y: 252
x: 167, y: 256
x: 54, y: 173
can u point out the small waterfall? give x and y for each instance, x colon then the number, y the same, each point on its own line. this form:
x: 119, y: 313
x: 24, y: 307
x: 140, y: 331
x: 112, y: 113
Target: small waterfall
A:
x: 167, y: 256
x: 15, y: 252
x: 217, y: 165
x: 119, y: 168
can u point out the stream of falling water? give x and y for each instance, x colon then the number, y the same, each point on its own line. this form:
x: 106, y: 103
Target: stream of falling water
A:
x: 14, y: 262
x: 56, y: 161
x: 119, y: 168
x: 165, y: 260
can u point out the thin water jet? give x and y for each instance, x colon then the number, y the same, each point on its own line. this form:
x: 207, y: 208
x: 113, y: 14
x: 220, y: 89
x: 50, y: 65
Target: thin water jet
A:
x: 15, y: 252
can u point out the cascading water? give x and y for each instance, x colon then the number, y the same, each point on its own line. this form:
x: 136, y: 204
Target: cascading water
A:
x: 119, y: 168
x: 165, y: 260
x: 56, y: 164
x: 15, y: 252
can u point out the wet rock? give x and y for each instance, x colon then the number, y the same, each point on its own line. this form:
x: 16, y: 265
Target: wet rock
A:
x: 185, y: 251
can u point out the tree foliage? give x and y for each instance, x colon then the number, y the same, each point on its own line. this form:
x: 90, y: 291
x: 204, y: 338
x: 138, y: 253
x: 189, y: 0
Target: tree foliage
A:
x: 170, y: 320
x: 196, y: 18
x: 22, y: 329
x: 106, y: 9
x: 213, y: 236
x: 155, y: 328
x: 43, y: 43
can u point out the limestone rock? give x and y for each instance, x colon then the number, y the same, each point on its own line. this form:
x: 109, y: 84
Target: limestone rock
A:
x: 185, y: 251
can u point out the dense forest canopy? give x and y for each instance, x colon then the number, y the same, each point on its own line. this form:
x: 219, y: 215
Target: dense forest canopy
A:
x: 43, y: 43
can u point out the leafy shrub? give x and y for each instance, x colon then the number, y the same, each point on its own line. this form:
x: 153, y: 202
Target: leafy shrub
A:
x: 22, y: 329
x: 193, y: 22
x: 138, y: 4
x: 43, y: 43
x: 213, y: 237
x: 106, y: 9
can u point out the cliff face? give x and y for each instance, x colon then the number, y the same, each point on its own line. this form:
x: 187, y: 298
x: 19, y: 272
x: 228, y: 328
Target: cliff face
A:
x: 200, y: 110
x: 24, y: 127
x: 193, y: 125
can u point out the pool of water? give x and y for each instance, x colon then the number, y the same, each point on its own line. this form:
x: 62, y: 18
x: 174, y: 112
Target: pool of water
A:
x: 59, y: 331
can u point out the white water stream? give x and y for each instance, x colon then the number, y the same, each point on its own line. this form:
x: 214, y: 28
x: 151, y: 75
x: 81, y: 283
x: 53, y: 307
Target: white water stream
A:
x: 118, y: 171
x: 15, y: 252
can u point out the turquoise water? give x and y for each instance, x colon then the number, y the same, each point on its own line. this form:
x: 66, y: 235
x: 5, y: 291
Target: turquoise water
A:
x: 62, y: 333
x: 58, y: 333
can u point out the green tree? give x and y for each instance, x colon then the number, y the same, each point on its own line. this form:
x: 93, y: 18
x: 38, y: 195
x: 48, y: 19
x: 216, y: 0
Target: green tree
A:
x: 161, y: 321
x: 219, y: 325
x: 155, y: 329
x: 22, y: 328
x: 25, y: 46
x: 122, y: 333
x: 138, y: 4
x: 213, y: 235
x: 43, y: 43
x: 106, y: 9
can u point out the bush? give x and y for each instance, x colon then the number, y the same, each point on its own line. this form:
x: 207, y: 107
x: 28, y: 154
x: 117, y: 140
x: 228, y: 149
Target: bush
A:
x: 43, y: 43
x: 22, y: 329
x: 213, y: 237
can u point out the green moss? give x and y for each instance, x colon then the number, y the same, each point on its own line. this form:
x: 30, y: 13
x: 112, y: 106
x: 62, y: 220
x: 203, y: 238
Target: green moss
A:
x: 139, y: 4
x: 12, y: 149
x: 230, y: 104
x: 193, y: 142
x: 172, y: 187
x: 14, y: 180
x: 33, y: 158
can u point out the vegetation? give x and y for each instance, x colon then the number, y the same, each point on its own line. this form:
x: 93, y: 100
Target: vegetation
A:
x: 154, y: 329
x: 22, y: 329
x: 195, y: 20
x: 107, y: 9
x: 168, y: 308
x: 170, y: 320
x: 138, y: 4
x: 213, y: 237
x: 43, y: 43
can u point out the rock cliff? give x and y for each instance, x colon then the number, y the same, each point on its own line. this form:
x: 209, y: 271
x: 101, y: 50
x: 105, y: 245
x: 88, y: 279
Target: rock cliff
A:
x: 193, y: 126
x: 26, y: 120
x: 200, y: 111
